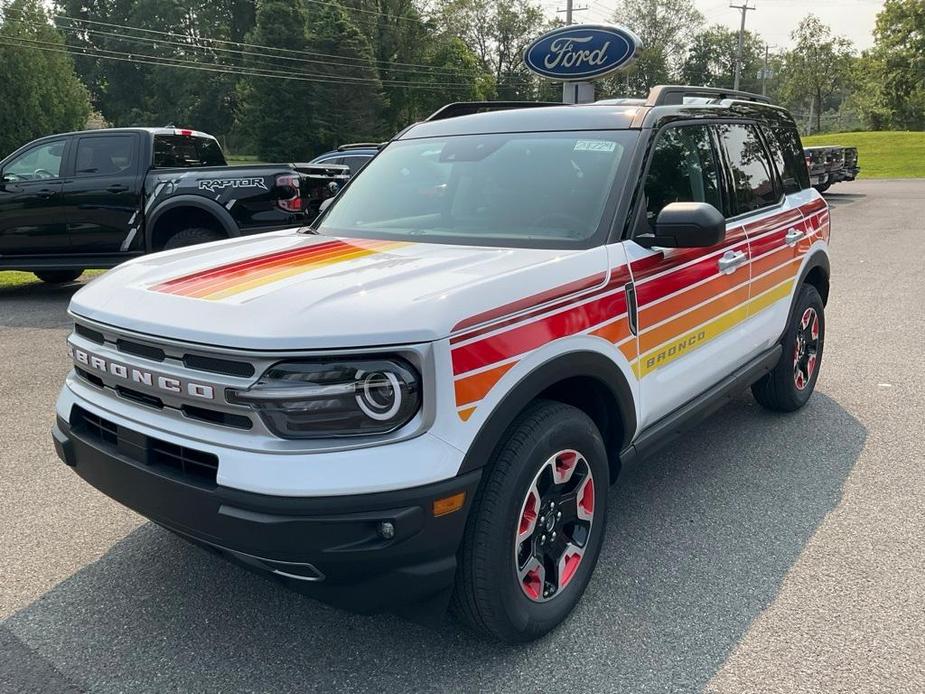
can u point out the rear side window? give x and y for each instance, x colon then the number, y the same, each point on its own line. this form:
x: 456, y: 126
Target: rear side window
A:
x: 108, y: 155
x: 752, y: 183
x: 172, y: 151
x: 683, y: 169
x: 794, y: 173
x: 355, y: 163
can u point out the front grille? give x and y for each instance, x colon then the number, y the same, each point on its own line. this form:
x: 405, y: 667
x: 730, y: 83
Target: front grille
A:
x: 140, y: 350
x: 219, y: 366
x: 147, y: 450
x: 92, y: 335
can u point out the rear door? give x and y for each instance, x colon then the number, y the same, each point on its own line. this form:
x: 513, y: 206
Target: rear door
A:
x: 773, y: 221
x: 691, y: 301
x: 104, y: 195
x: 32, y: 210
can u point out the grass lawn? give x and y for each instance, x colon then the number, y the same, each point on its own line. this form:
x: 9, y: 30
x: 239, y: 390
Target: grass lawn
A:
x: 882, y: 154
x: 14, y: 278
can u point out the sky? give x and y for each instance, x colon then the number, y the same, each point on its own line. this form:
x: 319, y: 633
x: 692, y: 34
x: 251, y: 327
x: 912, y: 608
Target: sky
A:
x: 773, y: 19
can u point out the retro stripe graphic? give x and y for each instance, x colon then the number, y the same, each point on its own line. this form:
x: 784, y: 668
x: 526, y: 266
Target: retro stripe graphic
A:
x: 241, y: 276
x: 684, y: 302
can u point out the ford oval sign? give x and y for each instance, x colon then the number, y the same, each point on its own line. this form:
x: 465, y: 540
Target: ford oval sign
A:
x: 581, y: 52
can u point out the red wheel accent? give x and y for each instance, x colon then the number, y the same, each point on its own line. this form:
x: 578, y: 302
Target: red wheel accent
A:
x: 528, y: 517
x: 570, y: 566
x: 533, y: 584
x: 565, y: 466
x: 586, y: 499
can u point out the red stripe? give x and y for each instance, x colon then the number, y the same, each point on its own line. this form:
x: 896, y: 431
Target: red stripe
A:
x: 618, y: 277
x: 250, y: 264
x: 815, y: 206
x: 530, y: 301
x: 533, y: 335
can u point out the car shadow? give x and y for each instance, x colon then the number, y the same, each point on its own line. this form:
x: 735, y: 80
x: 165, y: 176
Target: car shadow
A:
x: 699, y: 540
x: 37, y: 304
x: 837, y: 200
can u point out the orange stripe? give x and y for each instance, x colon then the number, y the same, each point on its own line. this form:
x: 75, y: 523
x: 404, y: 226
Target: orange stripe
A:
x: 474, y: 388
x: 614, y: 332
x: 656, y: 336
x: 769, y: 262
x: 772, y: 279
x: 689, y: 298
x: 629, y: 350
x: 466, y: 413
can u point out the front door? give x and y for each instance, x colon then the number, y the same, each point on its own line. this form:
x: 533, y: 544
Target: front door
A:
x: 32, y: 213
x: 690, y: 301
x: 104, y: 196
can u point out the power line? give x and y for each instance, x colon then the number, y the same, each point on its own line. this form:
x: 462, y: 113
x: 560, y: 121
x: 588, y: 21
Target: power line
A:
x: 205, y: 67
x: 292, y: 51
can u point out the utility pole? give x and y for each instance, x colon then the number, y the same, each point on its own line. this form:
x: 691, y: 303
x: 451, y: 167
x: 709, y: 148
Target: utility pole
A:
x: 744, y: 9
x: 764, y: 70
x: 575, y: 92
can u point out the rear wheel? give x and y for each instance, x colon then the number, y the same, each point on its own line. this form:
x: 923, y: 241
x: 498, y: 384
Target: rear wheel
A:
x: 536, y: 527
x: 789, y: 386
x: 58, y: 276
x: 191, y: 237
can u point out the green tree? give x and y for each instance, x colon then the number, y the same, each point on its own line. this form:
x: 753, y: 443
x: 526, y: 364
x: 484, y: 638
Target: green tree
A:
x: 497, y: 31
x: 893, y: 73
x: 712, y: 56
x: 818, y: 67
x: 665, y: 28
x: 278, y: 115
x: 37, y: 80
x: 348, y: 107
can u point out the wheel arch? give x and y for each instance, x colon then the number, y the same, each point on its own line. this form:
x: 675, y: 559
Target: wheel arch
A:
x: 164, y: 218
x: 588, y: 380
x: 815, y: 272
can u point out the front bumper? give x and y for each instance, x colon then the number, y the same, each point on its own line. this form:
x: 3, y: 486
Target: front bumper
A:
x: 328, y: 547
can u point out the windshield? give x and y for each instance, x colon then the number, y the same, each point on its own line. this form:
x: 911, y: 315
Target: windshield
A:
x: 521, y: 189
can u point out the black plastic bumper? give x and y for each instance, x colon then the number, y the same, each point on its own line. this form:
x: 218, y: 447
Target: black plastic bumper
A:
x: 331, y: 548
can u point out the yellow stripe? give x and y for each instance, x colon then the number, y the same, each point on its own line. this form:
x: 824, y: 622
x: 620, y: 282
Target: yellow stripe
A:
x: 667, y: 352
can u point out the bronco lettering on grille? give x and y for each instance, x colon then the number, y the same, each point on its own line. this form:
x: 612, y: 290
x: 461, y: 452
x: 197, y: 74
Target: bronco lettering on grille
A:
x: 138, y: 376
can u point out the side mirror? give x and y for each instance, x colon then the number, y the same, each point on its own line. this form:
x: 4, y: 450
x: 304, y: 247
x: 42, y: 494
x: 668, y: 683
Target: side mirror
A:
x: 687, y: 225
x: 325, y: 204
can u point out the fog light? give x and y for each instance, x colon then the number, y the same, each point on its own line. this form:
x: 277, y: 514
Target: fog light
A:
x: 386, y: 530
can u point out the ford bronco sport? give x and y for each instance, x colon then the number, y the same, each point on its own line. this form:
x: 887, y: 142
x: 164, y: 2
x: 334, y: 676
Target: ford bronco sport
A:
x: 424, y: 396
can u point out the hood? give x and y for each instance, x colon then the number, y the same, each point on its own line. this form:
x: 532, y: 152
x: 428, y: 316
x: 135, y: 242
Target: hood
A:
x: 288, y: 290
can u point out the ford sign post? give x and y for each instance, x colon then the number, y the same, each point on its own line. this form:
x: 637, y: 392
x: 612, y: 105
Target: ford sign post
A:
x: 581, y: 53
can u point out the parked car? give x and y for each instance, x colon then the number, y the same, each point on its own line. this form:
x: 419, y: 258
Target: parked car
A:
x: 354, y: 156
x: 97, y: 198
x: 424, y: 397
x: 830, y: 165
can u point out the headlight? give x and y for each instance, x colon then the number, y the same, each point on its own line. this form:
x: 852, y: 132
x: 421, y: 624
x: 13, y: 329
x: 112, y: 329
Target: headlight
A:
x: 323, y: 399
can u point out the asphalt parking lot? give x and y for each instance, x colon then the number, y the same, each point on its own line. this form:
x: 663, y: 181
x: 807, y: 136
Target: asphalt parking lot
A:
x: 764, y: 553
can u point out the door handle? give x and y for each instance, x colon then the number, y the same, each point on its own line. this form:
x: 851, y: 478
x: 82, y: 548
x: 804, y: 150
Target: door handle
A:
x: 117, y: 188
x: 731, y: 261
x: 46, y: 193
x: 794, y: 236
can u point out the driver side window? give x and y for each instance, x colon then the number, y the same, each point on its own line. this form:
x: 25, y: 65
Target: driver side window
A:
x: 683, y: 169
x: 40, y: 162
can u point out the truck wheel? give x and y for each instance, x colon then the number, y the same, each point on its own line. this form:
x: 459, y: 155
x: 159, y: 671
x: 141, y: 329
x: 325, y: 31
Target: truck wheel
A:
x: 788, y: 387
x: 58, y: 276
x: 536, y: 527
x: 822, y: 187
x: 191, y: 237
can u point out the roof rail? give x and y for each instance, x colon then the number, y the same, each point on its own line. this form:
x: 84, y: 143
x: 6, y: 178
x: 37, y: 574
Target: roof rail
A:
x: 360, y: 145
x: 673, y: 95
x: 467, y: 108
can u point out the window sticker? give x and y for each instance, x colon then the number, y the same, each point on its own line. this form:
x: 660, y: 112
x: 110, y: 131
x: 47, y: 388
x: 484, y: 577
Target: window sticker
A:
x: 595, y: 146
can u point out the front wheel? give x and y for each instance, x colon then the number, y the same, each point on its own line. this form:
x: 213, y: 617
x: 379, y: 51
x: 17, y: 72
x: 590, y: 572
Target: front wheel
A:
x: 191, y: 237
x: 58, y: 276
x: 536, y: 527
x: 790, y: 384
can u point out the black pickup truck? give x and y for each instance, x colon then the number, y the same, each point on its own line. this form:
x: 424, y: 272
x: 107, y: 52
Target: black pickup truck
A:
x: 831, y: 165
x: 94, y: 199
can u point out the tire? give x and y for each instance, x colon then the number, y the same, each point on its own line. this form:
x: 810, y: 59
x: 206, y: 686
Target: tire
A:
x: 499, y: 591
x: 822, y: 187
x: 58, y: 276
x: 790, y: 384
x: 191, y: 237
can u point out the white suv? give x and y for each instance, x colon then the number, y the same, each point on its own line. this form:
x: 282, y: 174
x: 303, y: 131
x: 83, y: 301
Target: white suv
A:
x: 424, y: 397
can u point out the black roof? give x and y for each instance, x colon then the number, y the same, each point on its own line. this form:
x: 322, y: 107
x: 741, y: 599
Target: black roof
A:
x: 664, y: 103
